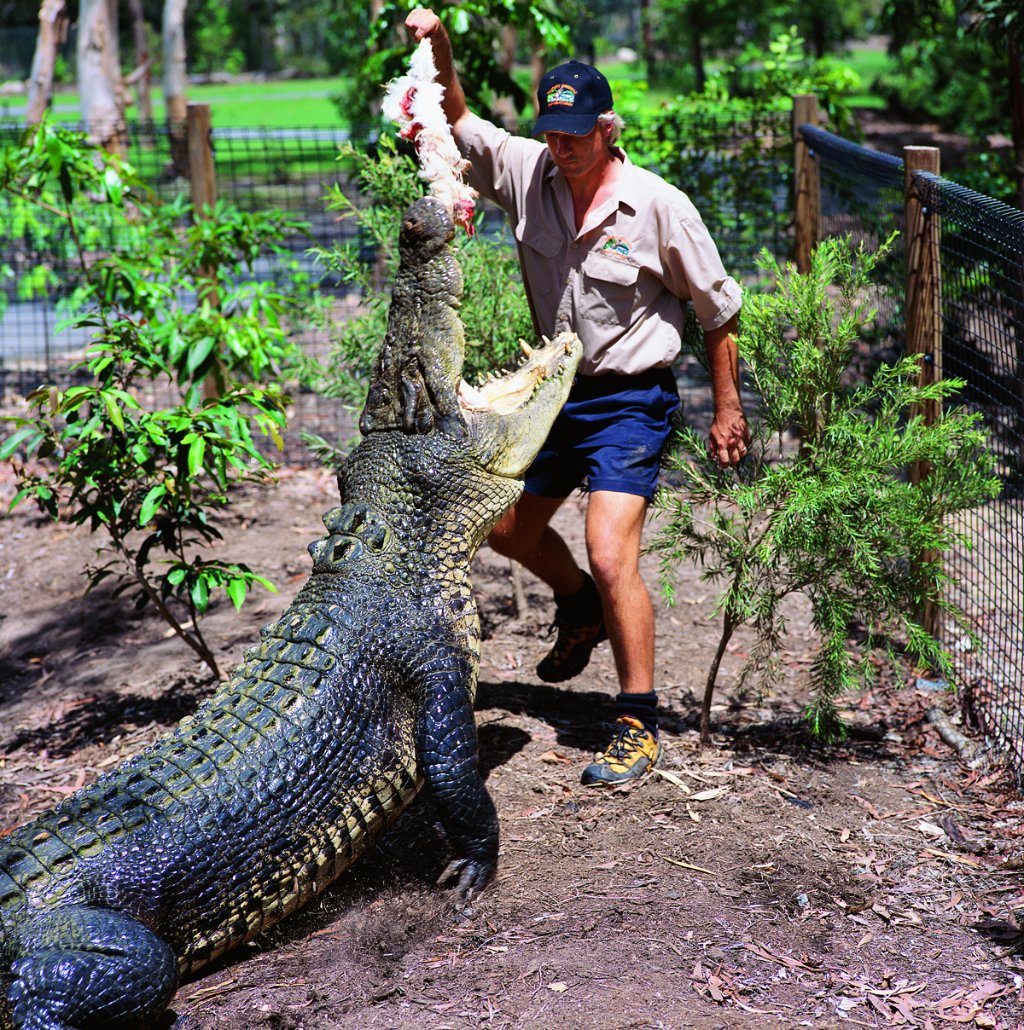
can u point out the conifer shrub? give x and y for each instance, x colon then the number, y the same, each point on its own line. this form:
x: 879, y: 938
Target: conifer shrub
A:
x: 822, y: 505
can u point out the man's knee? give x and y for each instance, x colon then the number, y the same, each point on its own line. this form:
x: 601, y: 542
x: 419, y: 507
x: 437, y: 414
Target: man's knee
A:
x: 614, y: 561
x: 503, y: 537
x: 609, y: 569
x: 521, y: 530
x: 513, y: 537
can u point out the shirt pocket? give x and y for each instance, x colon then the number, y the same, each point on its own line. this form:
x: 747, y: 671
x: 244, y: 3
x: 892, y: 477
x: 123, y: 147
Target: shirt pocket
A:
x: 548, y: 244
x: 609, y: 293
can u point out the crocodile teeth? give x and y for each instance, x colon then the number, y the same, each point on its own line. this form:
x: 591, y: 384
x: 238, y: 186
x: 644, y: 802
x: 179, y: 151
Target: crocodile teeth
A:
x: 526, y: 348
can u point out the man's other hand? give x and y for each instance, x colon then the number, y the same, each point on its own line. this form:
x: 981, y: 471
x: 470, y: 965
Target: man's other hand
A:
x: 729, y: 437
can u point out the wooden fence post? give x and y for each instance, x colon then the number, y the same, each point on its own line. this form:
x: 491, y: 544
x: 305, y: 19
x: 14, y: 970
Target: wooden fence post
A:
x: 922, y: 230
x: 201, y: 173
x: 924, y: 283
x: 806, y: 183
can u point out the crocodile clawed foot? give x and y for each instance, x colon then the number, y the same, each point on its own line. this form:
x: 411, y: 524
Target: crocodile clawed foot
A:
x: 468, y: 876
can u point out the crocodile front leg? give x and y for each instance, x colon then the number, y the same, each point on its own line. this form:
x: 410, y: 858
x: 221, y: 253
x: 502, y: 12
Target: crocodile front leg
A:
x: 446, y: 745
x: 82, y: 967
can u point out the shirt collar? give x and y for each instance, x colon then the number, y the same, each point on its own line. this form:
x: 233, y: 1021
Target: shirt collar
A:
x: 620, y: 194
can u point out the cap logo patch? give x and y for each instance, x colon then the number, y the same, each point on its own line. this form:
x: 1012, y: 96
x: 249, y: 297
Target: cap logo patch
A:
x: 617, y: 245
x: 560, y: 96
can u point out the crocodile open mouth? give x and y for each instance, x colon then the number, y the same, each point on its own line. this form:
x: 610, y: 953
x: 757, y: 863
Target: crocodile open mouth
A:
x: 503, y: 394
x: 510, y: 416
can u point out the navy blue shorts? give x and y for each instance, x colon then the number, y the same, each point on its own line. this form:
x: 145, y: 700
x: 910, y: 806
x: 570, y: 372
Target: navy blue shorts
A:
x: 610, y: 434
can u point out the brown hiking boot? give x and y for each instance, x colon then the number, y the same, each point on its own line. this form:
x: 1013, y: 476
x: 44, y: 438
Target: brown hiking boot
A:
x: 580, y: 626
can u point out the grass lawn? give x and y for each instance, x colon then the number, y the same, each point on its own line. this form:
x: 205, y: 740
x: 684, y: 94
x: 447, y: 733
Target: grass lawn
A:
x: 293, y: 103
x: 869, y: 63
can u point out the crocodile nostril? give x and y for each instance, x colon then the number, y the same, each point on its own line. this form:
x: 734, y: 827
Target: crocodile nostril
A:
x: 375, y: 537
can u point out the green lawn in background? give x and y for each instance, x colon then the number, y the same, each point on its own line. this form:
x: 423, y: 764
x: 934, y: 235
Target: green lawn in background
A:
x: 291, y: 103
x: 869, y: 64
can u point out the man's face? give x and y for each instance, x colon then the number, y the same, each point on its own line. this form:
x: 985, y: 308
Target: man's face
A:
x: 578, y: 155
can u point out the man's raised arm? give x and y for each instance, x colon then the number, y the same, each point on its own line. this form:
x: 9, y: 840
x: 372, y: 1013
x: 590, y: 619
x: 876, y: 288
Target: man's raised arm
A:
x: 422, y: 23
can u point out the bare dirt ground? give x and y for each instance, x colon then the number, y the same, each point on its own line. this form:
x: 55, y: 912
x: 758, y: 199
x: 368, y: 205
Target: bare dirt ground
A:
x: 767, y: 882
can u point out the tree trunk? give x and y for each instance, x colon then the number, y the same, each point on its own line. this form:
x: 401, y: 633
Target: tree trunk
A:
x: 175, y: 83
x: 729, y: 624
x: 700, y: 75
x: 538, y: 66
x: 647, y: 42
x: 1016, y: 77
x: 99, y: 74
x: 509, y: 39
x: 53, y: 31
x: 141, y: 76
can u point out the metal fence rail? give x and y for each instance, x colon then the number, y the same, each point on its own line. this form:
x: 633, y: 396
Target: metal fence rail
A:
x: 980, y: 259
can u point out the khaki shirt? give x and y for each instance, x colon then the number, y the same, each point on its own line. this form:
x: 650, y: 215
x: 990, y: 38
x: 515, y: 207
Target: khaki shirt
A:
x: 622, y: 281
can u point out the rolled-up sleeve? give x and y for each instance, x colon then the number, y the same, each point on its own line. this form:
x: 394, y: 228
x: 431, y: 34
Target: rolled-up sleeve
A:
x: 694, y: 272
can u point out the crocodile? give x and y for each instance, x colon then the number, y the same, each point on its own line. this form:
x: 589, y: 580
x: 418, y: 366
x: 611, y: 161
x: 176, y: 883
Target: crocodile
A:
x: 359, y: 695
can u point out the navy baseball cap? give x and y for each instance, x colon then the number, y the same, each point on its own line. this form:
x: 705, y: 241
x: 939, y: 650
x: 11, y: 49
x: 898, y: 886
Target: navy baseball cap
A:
x: 571, y: 97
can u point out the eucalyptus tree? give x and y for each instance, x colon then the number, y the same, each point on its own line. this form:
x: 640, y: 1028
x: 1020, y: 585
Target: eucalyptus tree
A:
x: 53, y: 30
x: 100, y: 86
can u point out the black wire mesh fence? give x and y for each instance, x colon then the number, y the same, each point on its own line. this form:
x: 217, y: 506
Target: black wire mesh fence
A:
x: 980, y: 265
x: 257, y: 170
x: 736, y: 168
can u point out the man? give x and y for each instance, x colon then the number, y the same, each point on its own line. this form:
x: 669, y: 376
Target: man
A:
x: 612, y: 253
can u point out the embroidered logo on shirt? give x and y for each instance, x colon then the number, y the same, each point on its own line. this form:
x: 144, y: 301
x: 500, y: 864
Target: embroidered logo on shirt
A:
x: 616, y: 244
x: 561, y: 95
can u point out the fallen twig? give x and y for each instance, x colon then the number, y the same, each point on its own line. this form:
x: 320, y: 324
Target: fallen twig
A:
x: 966, y: 748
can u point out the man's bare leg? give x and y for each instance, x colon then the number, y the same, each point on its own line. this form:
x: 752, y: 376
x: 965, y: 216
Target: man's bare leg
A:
x: 614, y: 528
x: 524, y: 534
x: 615, y: 523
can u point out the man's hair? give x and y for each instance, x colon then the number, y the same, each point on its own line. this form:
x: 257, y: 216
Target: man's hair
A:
x: 615, y: 121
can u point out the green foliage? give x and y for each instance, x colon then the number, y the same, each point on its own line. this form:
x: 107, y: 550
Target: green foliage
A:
x: 697, y: 34
x: 212, y: 29
x: 100, y: 452
x: 833, y: 517
x: 772, y: 76
x: 494, y: 310
x: 476, y: 28
x: 727, y: 146
x: 955, y: 69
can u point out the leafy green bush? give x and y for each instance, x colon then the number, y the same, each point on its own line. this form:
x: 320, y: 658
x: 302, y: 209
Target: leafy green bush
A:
x: 729, y: 147
x: 494, y: 310
x: 833, y: 517
x: 956, y: 64
x: 151, y: 479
